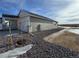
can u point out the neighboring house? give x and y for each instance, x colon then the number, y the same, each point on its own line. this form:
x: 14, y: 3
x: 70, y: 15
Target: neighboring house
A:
x: 11, y: 19
x: 29, y: 22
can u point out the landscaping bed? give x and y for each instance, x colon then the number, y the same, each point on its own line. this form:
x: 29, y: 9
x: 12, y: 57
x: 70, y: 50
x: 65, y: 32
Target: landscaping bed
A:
x: 43, y: 49
x: 68, y: 40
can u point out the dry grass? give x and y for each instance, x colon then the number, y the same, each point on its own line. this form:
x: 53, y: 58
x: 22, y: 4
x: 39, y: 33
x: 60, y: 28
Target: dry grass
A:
x: 68, y: 40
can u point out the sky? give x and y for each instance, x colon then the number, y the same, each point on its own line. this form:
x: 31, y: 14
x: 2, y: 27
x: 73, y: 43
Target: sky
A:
x: 63, y: 11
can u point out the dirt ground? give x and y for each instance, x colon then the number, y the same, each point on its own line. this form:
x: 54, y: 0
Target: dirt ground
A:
x: 21, y: 39
x: 58, y: 47
x: 17, y: 41
x: 43, y: 49
x: 68, y: 40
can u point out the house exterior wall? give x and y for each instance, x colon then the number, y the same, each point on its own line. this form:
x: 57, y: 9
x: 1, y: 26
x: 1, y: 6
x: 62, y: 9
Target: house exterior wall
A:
x: 29, y: 22
x: 38, y: 24
x: 24, y: 23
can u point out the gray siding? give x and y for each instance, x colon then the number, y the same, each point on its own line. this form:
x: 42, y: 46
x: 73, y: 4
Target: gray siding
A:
x: 38, y: 24
x: 34, y: 22
x: 24, y: 23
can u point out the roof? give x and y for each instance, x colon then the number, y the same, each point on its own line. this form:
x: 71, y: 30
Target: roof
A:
x: 33, y: 14
x: 8, y: 15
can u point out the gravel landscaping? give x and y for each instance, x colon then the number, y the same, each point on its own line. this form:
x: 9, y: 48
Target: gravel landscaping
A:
x: 43, y: 49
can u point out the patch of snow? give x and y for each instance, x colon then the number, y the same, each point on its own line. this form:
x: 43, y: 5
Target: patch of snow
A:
x: 15, y: 52
x: 76, y: 31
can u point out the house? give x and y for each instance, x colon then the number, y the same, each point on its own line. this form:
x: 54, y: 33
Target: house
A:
x: 11, y: 19
x: 6, y: 19
x: 29, y: 22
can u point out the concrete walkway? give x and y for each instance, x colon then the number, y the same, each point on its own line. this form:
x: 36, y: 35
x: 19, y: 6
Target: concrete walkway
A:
x: 16, y: 52
x: 54, y: 35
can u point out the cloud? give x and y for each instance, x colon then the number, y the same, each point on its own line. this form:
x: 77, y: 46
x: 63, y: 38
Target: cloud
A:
x: 70, y: 14
x: 49, y: 8
x: 64, y: 11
